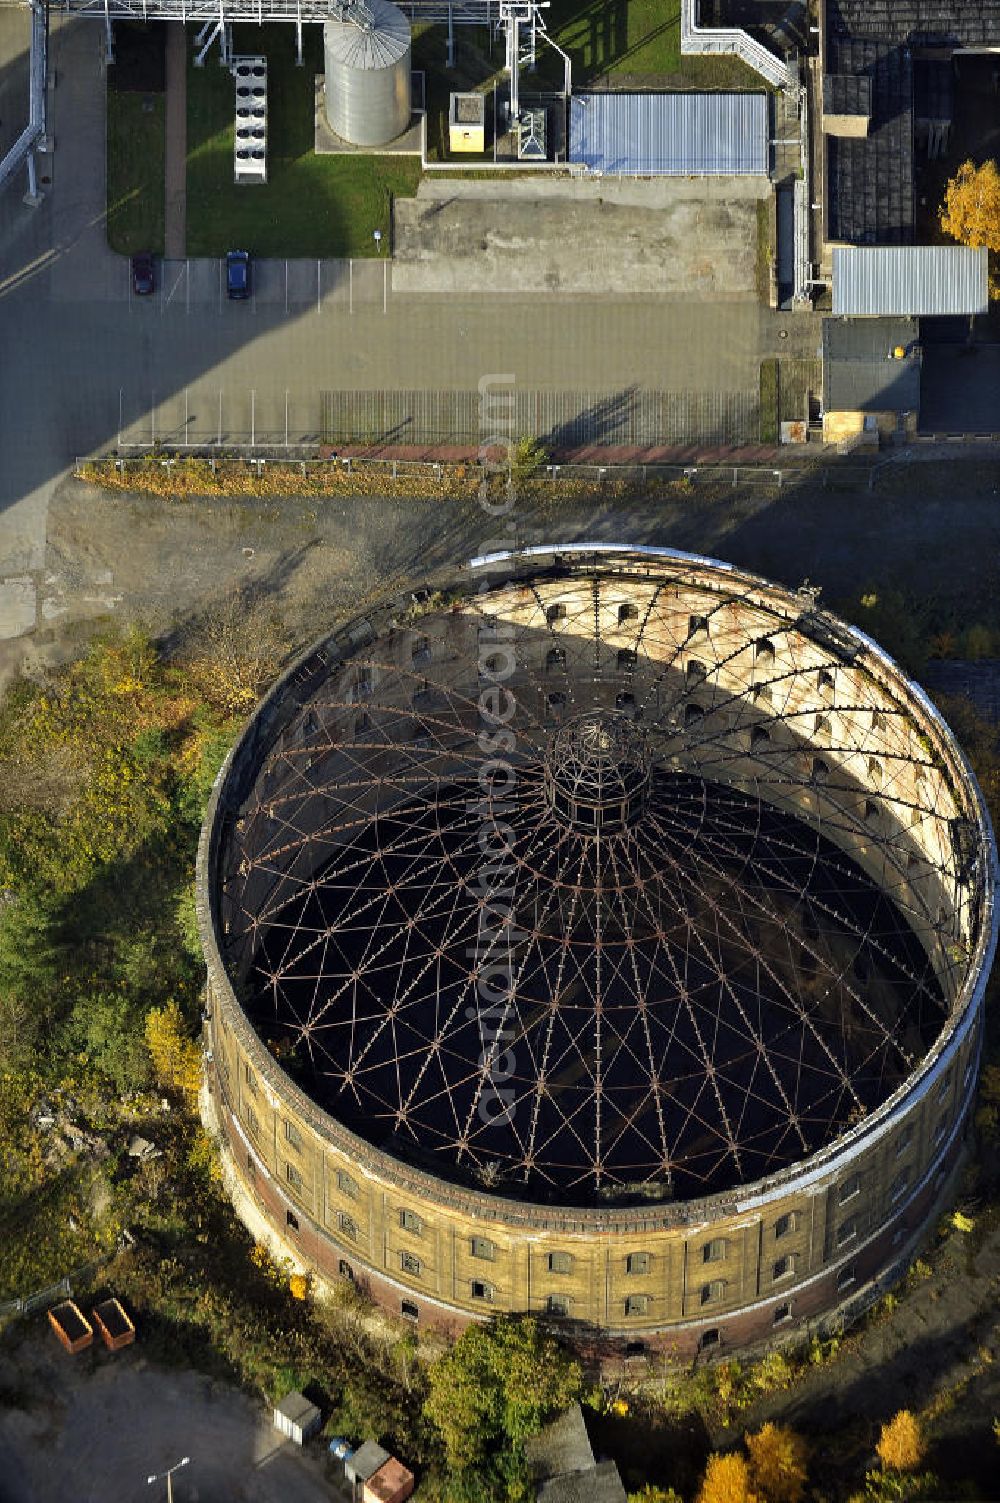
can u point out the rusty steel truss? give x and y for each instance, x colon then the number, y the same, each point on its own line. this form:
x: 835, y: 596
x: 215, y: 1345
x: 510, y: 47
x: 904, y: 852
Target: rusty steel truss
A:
x: 527, y: 893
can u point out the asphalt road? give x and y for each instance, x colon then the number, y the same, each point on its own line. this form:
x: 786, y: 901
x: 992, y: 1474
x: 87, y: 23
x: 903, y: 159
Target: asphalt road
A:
x: 92, y: 1428
x: 84, y: 362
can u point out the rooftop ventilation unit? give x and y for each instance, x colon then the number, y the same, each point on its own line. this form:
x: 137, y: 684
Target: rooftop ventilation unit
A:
x: 250, y: 139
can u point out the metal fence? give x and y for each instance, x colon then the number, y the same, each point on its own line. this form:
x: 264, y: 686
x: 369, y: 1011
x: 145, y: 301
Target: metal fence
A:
x: 632, y: 417
x: 691, y: 477
x: 42, y: 1298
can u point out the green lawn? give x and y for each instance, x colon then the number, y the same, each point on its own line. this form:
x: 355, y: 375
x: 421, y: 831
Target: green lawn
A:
x: 135, y: 172
x: 477, y: 67
x: 641, y: 37
x: 310, y: 205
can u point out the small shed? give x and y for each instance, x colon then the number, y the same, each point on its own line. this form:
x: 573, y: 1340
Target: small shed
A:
x: 392, y: 1483
x: 296, y: 1417
x: 467, y: 122
x: 114, y: 1324
x: 364, y: 1464
x: 871, y: 378
x: 71, y: 1326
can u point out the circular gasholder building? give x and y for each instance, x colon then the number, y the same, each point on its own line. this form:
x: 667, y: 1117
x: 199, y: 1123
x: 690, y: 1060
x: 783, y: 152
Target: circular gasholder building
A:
x: 605, y: 936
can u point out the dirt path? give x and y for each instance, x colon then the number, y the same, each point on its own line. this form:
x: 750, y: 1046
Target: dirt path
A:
x: 175, y: 166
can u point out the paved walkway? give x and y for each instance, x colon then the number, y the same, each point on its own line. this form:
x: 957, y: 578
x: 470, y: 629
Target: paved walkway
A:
x: 175, y: 167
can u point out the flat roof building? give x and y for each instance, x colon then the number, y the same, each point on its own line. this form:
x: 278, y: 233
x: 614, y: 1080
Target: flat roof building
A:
x: 915, y: 281
x: 670, y: 135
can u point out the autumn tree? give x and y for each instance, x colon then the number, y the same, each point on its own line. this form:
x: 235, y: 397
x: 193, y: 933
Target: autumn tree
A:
x: 235, y: 650
x: 971, y: 209
x: 175, y: 1055
x: 777, y: 1464
x: 727, y: 1480
x: 493, y: 1389
x: 901, y: 1446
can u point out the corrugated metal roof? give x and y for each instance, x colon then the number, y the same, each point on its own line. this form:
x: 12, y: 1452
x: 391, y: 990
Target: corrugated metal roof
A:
x: 378, y: 44
x: 909, y: 281
x: 669, y: 135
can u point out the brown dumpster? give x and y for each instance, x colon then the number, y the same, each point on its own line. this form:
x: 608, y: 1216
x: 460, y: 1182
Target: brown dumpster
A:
x: 69, y: 1324
x: 114, y: 1324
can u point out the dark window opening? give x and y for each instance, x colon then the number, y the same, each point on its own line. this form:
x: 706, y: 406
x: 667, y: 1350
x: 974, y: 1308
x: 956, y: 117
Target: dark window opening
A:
x: 291, y: 1221
x: 409, y: 1309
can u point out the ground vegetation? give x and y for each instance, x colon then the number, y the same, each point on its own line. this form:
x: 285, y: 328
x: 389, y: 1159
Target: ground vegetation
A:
x: 105, y: 769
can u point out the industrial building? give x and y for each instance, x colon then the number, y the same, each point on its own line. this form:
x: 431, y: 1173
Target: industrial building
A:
x: 889, y: 94
x: 604, y: 935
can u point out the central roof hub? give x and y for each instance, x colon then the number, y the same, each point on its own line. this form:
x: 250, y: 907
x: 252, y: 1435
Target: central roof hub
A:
x: 598, y: 772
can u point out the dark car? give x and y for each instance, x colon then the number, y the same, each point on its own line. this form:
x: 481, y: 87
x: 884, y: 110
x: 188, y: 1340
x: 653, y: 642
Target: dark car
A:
x: 238, y: 274
x: 143, y: 281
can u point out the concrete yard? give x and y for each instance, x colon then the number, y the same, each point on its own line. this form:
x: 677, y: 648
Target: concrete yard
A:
x: 695, y: 238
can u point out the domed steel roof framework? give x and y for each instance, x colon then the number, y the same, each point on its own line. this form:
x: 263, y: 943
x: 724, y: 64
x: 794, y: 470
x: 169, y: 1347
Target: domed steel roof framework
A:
x: 594, y: 840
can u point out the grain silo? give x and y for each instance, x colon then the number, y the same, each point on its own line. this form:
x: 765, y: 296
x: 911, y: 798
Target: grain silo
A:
x: 368, y: 74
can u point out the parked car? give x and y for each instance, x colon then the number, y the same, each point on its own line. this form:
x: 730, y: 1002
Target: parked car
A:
x: 143, y: 281
x: 238, y: 274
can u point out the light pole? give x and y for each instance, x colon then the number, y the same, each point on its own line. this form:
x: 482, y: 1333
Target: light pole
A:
x: 169, y: 1475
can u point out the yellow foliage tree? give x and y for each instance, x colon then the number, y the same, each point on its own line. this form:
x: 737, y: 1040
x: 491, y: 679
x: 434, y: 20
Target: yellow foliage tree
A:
x: 777, y: 1464
x: 901, y: 1446
x: 970, y: 213
x: 176, y: 1057
x: 971, y: 209
x: 727, y: 1480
